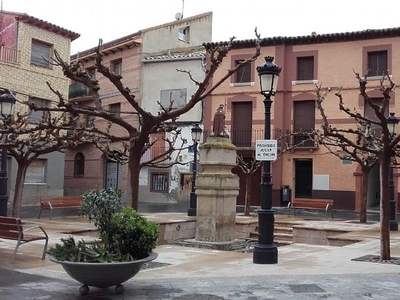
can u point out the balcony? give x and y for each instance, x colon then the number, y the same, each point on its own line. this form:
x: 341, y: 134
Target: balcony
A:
x: 78, y: 90
x: 287, y: 139
x: 9, y: 55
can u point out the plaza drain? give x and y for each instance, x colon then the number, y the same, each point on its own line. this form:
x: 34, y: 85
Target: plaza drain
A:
x: 306, y: 288
x: 154, y: 264
x: 198, y: 297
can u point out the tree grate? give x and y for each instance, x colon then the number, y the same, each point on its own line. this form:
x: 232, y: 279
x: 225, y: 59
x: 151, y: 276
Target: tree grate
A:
x: 377, y: 259
x: 306, y: 288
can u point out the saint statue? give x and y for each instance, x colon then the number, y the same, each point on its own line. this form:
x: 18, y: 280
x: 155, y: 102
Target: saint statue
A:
x: 219, y: 122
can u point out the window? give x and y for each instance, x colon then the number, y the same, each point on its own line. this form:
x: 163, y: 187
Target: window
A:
x: 244, y: 73
x: 347, y: 162
x: 369, y: 113
x: 159, y: 182
x: 40, y: 54
x: 116, y: 66
x: 79, y: 165
x: 303, y: 124
x: 92, y: 72
x: 242, y: 117
x: 36, y: 172
x: 183, y: 34
x: 35, y: 116
x: 377, y: 63
x: 305, y: 68
x: 173, y: 98
x: 115, y: 109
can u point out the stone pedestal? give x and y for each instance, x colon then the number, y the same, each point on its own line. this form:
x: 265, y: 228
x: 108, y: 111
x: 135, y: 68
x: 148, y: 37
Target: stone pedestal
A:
x: 216, y: 190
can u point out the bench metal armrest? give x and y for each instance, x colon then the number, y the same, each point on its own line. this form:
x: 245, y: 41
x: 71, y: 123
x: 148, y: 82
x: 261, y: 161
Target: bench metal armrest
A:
x: 35, y: 227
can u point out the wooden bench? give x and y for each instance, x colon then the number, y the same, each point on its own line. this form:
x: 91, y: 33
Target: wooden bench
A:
x: 12, y: 229
x: 325, y: 204
x: 49, y: 202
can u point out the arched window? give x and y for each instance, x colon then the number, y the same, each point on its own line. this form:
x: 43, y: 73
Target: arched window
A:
x: 79, y: 165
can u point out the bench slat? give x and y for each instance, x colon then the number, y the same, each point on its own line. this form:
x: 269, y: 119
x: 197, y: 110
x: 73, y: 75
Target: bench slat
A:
x: 325, y: 204
x: 49, y: 202
x: 12, y: 229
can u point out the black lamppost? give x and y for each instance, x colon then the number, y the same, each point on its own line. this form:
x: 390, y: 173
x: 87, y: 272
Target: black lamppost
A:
x: 392, y: 121
x: 7, y: 101
x: 265, y: 251
x: 196, y: 135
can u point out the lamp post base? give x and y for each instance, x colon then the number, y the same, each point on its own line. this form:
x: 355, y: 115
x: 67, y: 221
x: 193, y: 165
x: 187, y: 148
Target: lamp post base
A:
x: 193, y: 205
x: 265, y: 254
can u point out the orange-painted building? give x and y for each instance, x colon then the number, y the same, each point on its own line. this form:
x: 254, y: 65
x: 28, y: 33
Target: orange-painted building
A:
x: 308, y: 170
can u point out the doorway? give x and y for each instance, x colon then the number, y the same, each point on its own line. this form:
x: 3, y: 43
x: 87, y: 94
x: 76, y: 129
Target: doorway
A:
x: 303, y: 178
x: 113, y: 175
x: 373, y: 194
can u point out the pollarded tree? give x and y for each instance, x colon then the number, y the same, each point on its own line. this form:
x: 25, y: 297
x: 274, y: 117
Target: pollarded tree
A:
x: 26, y: 141
x: 340, y: 141
x: 137, y: 139
x: 364, y: 141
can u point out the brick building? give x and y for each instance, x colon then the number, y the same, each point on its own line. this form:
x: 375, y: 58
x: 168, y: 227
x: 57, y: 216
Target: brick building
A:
x: 309, y: 170
x: 24, y: 43
x: 147, y: 61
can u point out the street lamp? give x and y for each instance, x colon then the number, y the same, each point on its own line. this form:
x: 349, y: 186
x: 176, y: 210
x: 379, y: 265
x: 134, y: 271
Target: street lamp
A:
x: 7, y: 101
x: 392, y: 121
x: 265, y: 251
x: 196, y: 135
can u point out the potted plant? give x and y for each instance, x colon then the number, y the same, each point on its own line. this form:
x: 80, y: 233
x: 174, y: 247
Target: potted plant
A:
x: 126, y: 240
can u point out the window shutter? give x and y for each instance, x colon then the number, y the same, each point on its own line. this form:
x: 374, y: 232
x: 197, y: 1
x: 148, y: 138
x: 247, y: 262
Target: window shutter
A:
x: 40, y: 54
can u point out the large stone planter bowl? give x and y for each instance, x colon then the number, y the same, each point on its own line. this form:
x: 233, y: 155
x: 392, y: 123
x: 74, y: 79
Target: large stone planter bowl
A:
x: 103, y: 275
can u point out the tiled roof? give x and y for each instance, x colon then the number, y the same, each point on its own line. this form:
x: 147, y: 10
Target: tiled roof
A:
x: 175, y: 56
x: 314, y: 38
x: 128, y: 40
x: 44, y: 25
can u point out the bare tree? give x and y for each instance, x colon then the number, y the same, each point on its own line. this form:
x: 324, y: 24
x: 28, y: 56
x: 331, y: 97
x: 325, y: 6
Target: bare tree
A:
x: 26, y: 141
x: 365, y: 146
x: 136, y: 140
x: 336, y: 140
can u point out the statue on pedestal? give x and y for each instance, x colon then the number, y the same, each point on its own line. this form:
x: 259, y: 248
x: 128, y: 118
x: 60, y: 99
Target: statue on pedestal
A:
x: 219, y: 127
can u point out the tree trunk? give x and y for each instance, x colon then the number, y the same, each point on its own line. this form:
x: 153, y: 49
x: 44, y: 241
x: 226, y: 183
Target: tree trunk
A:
x: 19, y: 189
x: 134, y: 170
x: 364, y: 195
x: 247, y: 196
x: 385, y: 207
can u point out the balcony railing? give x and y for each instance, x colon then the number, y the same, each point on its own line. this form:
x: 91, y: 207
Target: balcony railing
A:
x: 9, y: 55
x: 286, y: 139
x: 78, y: 90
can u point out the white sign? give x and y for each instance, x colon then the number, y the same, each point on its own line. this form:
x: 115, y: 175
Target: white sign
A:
x: 266, y: 150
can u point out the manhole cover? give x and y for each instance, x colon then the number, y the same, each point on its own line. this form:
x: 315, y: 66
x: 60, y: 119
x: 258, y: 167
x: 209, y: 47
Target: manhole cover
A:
x: 198, y: 297
x: 154, y: 264
x: 305, y: 288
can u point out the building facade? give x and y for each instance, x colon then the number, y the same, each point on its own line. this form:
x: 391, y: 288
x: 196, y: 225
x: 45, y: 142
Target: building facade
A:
x: 27, y: 46
x: 308, y: 170
x: 147, y: 61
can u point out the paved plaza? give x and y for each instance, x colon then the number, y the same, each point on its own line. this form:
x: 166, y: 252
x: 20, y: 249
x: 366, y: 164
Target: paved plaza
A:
x: 302, y: 272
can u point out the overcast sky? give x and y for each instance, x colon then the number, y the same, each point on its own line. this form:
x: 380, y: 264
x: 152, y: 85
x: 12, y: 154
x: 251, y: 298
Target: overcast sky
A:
x: 95, y: 19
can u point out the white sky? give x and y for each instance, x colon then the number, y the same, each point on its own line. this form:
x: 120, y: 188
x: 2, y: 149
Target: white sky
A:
x: 109, y: 20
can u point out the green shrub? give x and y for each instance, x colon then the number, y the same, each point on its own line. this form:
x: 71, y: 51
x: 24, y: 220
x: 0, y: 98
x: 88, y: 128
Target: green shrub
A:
x: 133, y: 233
x: 124, y: 235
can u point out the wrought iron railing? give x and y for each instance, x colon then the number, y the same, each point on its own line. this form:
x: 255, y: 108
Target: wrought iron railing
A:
x: 286, y: 139
x: 9, y: 55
